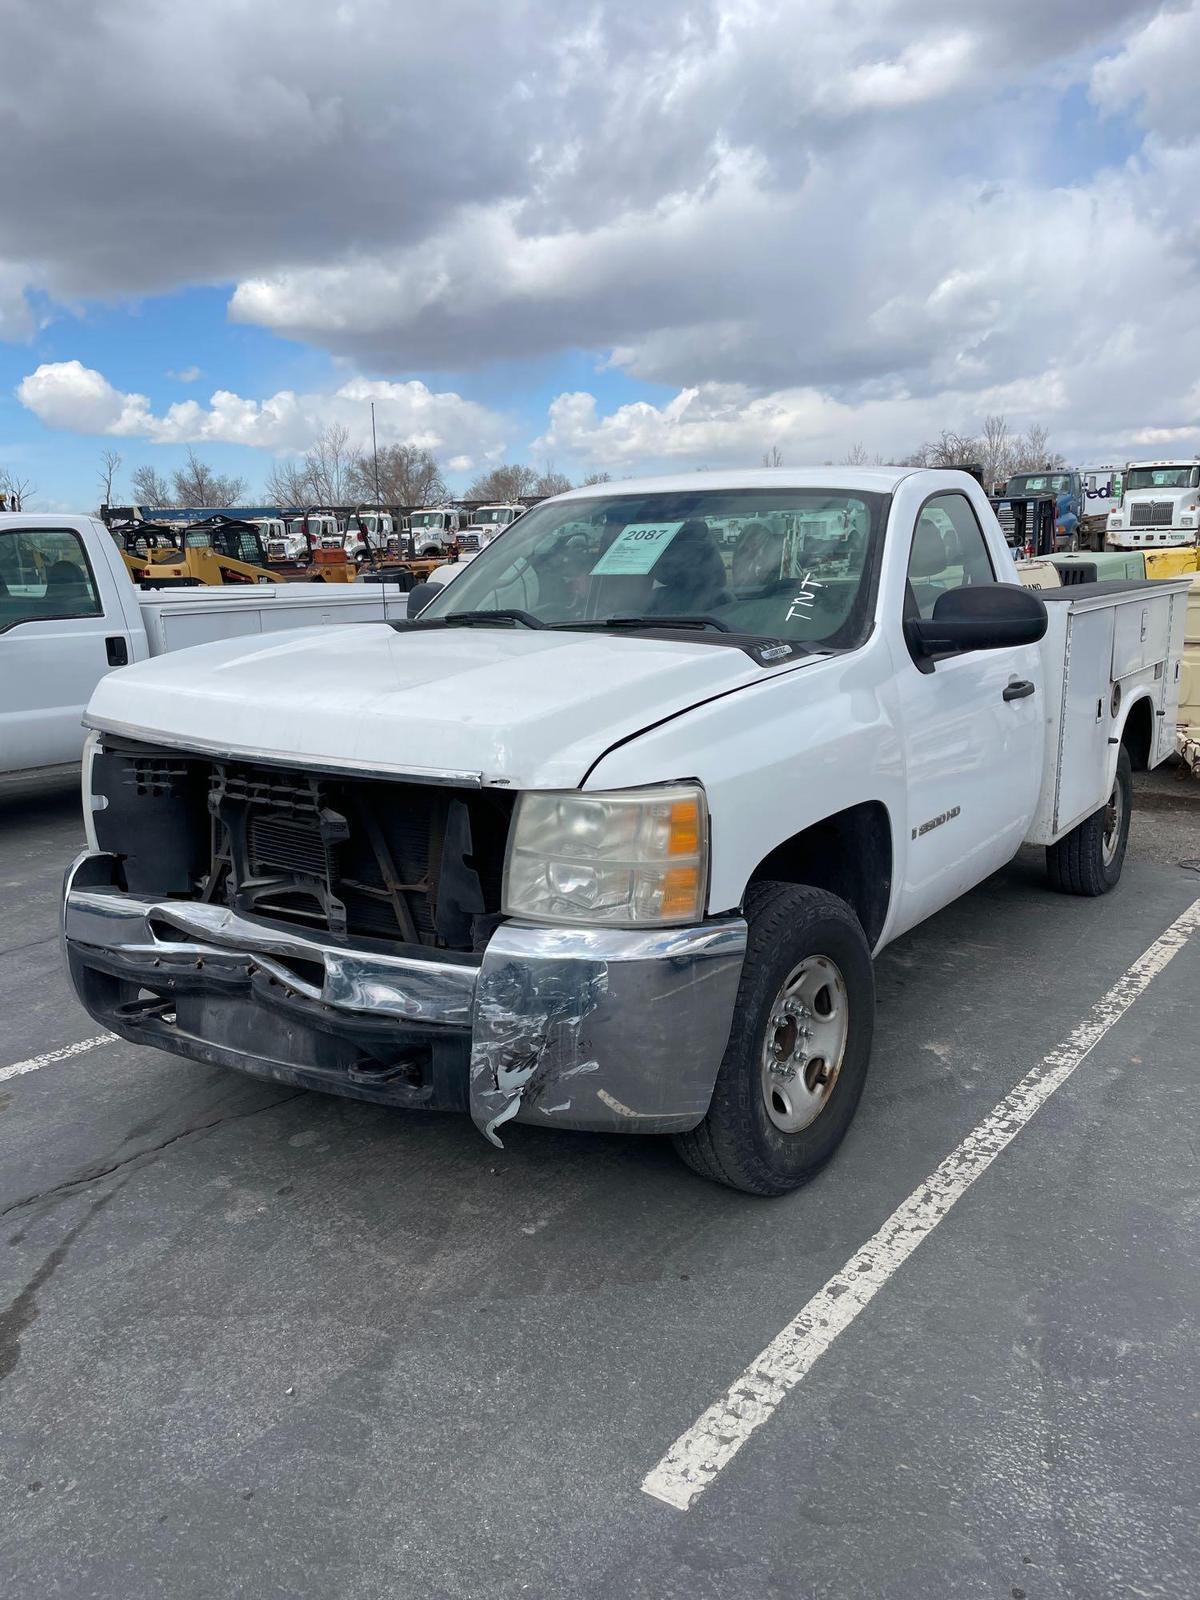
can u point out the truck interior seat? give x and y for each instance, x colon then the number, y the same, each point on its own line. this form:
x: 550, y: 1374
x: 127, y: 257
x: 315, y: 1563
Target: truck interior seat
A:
x: 689, y: 576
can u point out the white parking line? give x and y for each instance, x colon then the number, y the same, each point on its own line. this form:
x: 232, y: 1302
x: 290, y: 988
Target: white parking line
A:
x: 51, y: 1056
x: 711, y: 1443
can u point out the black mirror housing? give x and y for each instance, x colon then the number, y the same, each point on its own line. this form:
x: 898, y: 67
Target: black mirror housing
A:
x: 986, y: 616
x: 420, y: 595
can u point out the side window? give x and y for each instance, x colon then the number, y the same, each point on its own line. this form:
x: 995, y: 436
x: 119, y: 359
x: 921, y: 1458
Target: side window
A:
x: 948, y: 551
x: 44, y: 572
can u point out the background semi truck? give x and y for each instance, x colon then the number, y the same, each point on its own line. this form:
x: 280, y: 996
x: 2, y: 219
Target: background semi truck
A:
x: 1159, y: 505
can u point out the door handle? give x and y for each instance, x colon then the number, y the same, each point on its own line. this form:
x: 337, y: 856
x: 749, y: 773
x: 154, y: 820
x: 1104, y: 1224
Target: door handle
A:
x: 116, y: 648
x: 1019, y: 689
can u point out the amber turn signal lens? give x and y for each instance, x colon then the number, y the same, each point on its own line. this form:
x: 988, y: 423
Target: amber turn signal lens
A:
x: 681, y: 892
x: 685, y: 828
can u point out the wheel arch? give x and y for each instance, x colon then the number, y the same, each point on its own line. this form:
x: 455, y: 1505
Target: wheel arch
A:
x: 850, y: 853
x: 1137, y: 731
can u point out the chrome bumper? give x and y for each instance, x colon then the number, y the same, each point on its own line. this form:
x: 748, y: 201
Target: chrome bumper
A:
x: 600, y: 1029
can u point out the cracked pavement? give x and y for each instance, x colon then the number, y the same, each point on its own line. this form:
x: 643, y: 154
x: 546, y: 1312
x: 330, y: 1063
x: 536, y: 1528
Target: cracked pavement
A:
x: 287, y: 1346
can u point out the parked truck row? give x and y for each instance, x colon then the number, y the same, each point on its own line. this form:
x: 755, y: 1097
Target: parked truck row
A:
x: 291, y: 535
x: 1145, y: 505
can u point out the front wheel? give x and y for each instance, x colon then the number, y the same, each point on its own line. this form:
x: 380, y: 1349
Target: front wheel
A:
x: 1089, y: 859
x: 798, y: 1052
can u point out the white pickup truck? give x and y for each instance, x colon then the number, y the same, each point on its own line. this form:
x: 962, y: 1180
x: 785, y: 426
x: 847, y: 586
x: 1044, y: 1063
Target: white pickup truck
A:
x: 69, y: 613
x: 607, y: 837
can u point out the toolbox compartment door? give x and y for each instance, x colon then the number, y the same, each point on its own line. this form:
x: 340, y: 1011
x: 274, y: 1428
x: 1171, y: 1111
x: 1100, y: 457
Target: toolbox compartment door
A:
x: 1082, y: 763
x: 1142, y: 634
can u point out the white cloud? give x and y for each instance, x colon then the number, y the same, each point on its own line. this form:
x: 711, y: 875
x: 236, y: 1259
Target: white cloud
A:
x: 1155, y: 74
x: 186, y: 374
x: 68, y: 395
x: 801, y: 214
x: 928, y: 70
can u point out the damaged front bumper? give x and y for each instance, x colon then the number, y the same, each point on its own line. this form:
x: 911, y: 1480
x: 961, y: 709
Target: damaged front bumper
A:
x: 600, y: 1029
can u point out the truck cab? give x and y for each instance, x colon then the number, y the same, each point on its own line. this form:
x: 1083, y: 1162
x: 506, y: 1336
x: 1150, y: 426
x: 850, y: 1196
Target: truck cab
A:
x: 376, y: 529
x: 488, y: 521
x: 1159, y: 506
x: 1065, y: 484
x: 436, y: 529
x: 283, y: 542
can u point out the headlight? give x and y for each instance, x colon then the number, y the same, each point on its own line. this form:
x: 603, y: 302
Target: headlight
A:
x: 91, y: 802
x: 1114, y: 519
x: 632, y: 859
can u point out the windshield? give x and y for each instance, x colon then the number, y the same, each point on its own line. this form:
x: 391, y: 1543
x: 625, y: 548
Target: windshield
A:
x: 1040, y: 483
x: 494, y: 514
x: 1180, y: 477
x: 428, y: 519
x: 796, y: 564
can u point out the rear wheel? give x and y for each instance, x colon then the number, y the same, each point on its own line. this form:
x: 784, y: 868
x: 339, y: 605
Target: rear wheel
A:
x: 798, y: 1052
x: 1089, y: 859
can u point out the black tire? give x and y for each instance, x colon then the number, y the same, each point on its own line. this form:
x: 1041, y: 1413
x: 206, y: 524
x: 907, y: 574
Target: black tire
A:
x: 1089, y: 859
x: 738, y: 1144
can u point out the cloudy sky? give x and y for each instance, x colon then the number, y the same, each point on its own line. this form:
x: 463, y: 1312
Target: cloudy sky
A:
x: 600, y: 235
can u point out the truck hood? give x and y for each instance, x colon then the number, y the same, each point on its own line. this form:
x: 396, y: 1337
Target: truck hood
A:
x: 510, y: 707
x: 1176, y: 496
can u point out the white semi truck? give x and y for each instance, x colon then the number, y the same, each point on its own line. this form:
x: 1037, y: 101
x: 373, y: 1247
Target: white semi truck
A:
x: 1159, y: 506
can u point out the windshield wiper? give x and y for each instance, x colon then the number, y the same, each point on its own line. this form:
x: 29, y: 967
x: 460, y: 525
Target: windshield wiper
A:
x: 650, y: 622
x: 468, y: 618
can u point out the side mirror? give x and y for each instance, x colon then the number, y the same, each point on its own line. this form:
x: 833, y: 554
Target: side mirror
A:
x: 420, y: 595
x: 988, y: 616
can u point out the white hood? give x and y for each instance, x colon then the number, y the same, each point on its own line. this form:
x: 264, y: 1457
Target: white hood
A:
x: 513, y: 707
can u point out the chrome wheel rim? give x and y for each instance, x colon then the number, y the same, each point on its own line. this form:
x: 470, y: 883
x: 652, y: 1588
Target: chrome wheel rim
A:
x: 1114, y: 815
x: 805, y: 1043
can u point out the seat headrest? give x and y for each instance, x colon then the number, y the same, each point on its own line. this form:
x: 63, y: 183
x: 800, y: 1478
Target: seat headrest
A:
x: 65, y: 575
x: 928, y: 551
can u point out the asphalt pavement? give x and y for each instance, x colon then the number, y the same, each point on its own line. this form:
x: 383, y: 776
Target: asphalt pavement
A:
x: 263, y: 1343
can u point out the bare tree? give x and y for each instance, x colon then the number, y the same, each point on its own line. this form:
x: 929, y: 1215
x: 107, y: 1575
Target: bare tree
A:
x: 328, y: 463
x: 508, y: 482
x: 110, y: 465
x: 14, y: 491
x: 949, y: 449
x: 149, y: 489
x: 996, y: 450
x: 596, y: 477
x: 196, y: 484
x: 1033, y: 450
x: 772, y: 457
x: 408, y: 476
x: 856, y: 456
x: 551, y: 482
x: 289, y: 484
